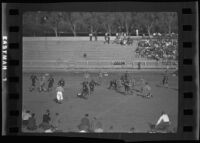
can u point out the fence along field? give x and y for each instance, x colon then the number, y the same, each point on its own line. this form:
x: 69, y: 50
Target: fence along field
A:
x: 67, y: 53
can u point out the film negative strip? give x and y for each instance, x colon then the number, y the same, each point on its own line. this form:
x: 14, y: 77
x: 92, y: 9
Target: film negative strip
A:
x: 188, y: 121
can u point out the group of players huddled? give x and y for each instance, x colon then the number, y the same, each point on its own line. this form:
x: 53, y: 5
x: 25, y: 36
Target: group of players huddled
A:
x: 129, y: 86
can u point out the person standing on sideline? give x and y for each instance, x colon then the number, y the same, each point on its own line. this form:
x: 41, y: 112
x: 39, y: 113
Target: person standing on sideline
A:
x: 137, y: 32
x: 106, y: 38
x: 90, y: 35
x: 117, y: 35
x: 139, y: 65
x: 95, y: 36
x: 109, y: 38
x: 59, y: 95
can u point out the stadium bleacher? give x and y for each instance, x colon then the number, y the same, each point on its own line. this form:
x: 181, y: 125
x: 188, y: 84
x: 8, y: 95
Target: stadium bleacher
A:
x: 57, y: 54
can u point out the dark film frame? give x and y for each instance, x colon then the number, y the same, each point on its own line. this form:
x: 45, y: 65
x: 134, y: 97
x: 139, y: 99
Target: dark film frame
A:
x: 187, y: 104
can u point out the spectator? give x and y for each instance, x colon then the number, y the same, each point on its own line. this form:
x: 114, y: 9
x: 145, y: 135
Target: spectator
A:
x: 90, y: 35
x: 84, y: 126
x: 106, y: 38
x: 46, y: 121
x: 163, y: 122
x: 98, y: 127
x: 117, y: 35
x: 32, y: 123
x: 95, y: 35
x: 26, y: 115
x: 137, y: 32
x: 57, y: 120
x: 109, y: 38
x: 139, y: 65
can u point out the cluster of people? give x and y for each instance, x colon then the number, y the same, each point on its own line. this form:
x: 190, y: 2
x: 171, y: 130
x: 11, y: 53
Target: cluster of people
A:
x: 43, y: 80
x: 107, y: 38
x: 46, y: 83
x: 123, y: 38
x: 87, y: 88
x: 129, y: 86
x: 93, y: 34
x: 159, y: 47
x: 90, y: 126
x: 29, y: 121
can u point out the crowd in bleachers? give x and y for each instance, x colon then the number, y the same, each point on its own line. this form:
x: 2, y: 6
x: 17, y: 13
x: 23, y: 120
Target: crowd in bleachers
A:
x: 158, y: 47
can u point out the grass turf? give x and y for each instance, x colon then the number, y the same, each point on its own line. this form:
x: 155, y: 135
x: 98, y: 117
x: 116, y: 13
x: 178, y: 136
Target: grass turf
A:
x: 111, y: 108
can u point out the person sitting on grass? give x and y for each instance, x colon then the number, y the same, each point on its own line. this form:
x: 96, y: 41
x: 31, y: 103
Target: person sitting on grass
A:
x: 98, y: 127
x: 57, y: 121
x: 46, y: 121
x: 163, y: 122
x: 32, y: 123
x: 25, y: 117
x: 84, y: 126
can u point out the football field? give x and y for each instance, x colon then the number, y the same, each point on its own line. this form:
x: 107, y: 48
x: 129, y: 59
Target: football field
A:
x: 116, y: 111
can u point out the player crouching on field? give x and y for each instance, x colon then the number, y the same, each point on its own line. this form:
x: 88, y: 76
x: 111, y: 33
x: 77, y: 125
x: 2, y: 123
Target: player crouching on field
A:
x: 59, y: 95
x: 146, y: 91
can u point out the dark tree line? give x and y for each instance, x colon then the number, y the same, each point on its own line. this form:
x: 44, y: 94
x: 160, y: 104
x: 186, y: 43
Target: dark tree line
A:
x: 86, y: 22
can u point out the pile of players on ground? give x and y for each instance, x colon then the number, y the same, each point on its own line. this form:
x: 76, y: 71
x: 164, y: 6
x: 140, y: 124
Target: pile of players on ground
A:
x: 159, y: 47
x: 52, y: 122
x: 124, y: 85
